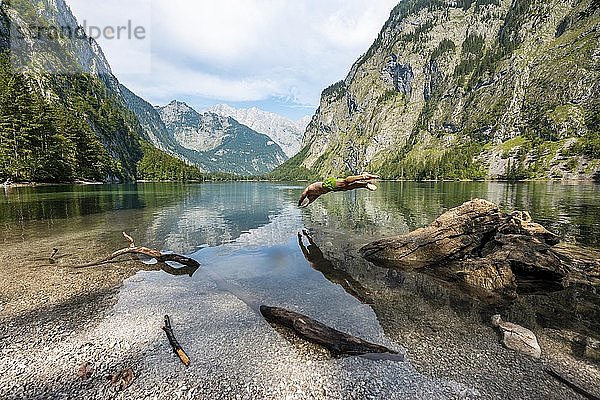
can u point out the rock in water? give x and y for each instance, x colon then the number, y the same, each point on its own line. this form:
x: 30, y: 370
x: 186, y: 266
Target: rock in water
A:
x: 517, y: 338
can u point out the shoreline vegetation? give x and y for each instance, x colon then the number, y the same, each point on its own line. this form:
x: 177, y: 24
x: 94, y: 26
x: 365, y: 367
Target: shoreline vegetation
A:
x: 215, y: 179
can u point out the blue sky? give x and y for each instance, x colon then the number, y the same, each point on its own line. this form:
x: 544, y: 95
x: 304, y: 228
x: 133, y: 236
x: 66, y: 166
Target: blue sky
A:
x: 273, y: 54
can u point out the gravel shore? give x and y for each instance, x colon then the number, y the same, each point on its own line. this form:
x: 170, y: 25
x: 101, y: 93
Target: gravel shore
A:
x: 54, y: 318
x: 235, y: 354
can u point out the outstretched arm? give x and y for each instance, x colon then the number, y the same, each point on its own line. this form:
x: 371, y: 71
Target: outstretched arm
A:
x: 311, y: 198
x: 303, y: 197
x: 307, y: 195
x: 312, y: 192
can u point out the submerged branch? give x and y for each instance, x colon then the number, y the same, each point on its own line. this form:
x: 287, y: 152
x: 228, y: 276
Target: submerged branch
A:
x: 338, y: 343
x: 157, y: 255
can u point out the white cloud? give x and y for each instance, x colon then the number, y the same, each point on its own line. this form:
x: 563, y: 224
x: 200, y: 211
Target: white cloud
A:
x: 131, y: 51
x: 244, y: 50
x: 220, y: 32
x: 189, y: 82
x: 350, y: 29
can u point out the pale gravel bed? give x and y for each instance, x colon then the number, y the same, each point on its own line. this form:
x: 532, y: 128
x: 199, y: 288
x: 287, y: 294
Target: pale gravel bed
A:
x: 235, y: 354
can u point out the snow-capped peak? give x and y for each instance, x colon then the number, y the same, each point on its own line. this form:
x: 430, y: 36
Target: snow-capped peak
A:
x: 285, y: 132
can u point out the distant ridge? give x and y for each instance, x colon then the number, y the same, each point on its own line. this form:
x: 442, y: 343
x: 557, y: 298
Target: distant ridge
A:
x: 285, y: 132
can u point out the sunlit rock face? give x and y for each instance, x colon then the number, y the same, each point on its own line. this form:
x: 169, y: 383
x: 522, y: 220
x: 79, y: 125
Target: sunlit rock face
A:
x: 467, y: 89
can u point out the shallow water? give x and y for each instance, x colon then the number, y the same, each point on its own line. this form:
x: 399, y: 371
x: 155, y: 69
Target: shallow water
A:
x: 255, y: 225
x: 247, y: 235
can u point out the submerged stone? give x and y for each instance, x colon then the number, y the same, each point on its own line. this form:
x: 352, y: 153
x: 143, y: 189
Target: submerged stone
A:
x: 517, y: 338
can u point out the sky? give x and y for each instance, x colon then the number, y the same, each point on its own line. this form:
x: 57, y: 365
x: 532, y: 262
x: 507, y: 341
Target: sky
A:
x: 277, y: 55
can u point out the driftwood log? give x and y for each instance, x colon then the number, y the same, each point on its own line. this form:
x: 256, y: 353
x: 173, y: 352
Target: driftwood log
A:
x: 338, y: 343
x: 482, y: 247
x: 190, y: 265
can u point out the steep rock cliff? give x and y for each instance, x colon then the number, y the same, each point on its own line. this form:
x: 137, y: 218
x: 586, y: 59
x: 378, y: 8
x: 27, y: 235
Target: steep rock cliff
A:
x: 467, y: 89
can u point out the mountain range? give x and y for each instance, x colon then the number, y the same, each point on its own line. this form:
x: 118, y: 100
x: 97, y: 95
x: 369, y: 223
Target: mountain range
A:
x: 286, y: 133
x: 221, y: 143
x: 211, y: 142
x: 449, y: 89
x: 65, y: 116
x: 466, y: 89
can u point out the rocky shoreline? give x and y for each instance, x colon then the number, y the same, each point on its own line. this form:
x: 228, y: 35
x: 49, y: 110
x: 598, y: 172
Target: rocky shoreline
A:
x: 43, y: 304
x: 447, y: 331
x: 51, y: 326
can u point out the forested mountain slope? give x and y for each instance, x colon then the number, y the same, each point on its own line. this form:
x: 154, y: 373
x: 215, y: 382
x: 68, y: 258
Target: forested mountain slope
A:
x: 60, y: 114
x: 63, y: 114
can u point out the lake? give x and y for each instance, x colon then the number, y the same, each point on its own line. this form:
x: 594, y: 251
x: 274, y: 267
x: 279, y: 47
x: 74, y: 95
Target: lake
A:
x: 245, y: 235
x: 186, y: 217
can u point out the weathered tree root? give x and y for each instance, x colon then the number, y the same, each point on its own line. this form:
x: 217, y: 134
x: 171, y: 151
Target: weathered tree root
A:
x: 191, y: 264
x: 477, y: 245
x: 338, y: 343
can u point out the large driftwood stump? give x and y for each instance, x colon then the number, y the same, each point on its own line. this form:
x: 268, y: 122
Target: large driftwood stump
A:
x: 338, y: 343
x: 478, y: 245
x: 456, y: 232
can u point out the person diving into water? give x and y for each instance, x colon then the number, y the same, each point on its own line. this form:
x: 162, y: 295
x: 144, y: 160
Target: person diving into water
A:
x: 313, y: 191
